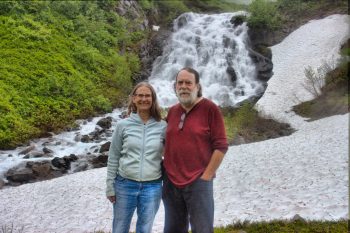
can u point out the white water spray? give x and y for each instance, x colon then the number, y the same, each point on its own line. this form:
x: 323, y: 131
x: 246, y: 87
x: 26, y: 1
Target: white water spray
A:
x: 217, y: 50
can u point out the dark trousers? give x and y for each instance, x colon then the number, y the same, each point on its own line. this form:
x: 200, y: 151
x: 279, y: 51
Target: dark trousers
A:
x: 193, y: 205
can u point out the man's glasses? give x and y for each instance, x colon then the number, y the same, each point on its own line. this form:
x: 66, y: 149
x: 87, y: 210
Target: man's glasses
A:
x: 147, y: 96
x: 182, y: 121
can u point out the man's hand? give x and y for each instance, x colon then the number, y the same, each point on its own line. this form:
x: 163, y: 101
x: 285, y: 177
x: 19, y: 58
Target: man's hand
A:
x: 206, y: 177
x: 213, y: 165
x: 111, y: 199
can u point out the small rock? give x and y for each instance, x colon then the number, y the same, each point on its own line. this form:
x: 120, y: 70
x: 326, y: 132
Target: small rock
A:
x: 26, y: 150
x: 297, y: 217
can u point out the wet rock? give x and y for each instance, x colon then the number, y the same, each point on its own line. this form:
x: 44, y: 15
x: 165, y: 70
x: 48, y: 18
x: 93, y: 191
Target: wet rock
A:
x: 99, y: 161
x: 47, y: 150
x: 264, y: 65
x: 61, y: 163
x: 73, y: 157
x: 80, y: 166
x: 182, y: 21
x: 105, y: 123
x: 2, y: 183
x: 237, y: 20
x: 34, y: 154
x: 226, y: 41
x: 105, y: 147
x: 21, y: 175
x: 85, y: 138
x: 42, y: 169
x: 297, y: 217
x: 27, y: 149
x: 96, y: 134
x: 77, y: 138
x: 231, y: 73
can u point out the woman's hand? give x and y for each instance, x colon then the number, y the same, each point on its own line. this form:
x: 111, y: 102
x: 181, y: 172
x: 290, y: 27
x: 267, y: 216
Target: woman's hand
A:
x: 111, y: 199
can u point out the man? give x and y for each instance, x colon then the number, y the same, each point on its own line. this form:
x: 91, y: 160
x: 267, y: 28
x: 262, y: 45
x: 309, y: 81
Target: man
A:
x: 194, y: 148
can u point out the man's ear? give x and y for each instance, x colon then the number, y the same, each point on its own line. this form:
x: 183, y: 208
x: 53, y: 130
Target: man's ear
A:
x: 174, y: 85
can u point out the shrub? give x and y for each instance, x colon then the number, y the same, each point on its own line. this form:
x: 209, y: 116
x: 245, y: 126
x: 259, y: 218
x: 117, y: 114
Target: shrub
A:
x: 171, y: 9
x: 315, y: 80
x: 237, y: 120
x: 264, y: 14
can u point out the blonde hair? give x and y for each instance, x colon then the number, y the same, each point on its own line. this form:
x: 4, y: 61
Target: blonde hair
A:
x: 155, y: 109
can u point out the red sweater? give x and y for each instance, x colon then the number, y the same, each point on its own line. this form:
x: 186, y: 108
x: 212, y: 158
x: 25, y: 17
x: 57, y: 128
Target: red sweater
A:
x: 189, y: 150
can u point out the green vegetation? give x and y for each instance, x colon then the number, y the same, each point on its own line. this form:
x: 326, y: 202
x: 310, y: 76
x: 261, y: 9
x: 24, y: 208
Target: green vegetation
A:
x: 244, y: 125
x: 61, y: 60
x: 217, y: 6
x: 273, y: 15
x: 333, y: 97
x: 279, y: 226
x: 264, y: 14
x: 299, y: 10
x: 171, y: 9
x: 238, y: 120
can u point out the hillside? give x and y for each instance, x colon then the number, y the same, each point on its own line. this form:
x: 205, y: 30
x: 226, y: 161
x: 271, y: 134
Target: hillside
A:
x: 305, y: 173
x: 61, y: 60
x: 65, y: 60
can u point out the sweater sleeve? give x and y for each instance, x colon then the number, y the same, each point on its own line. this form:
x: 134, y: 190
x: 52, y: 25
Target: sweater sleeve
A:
x: 113, y: 159
x: 218, y: 133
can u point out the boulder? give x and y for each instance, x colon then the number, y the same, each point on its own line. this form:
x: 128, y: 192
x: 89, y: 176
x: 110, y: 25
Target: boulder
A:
x: 42, y: 169
x: 237, y: 20
x: 105, y: 123
x: 232, y: 74
x: 100, y: 161
x: 61, y: 163
x: 27, y: 149
x: 85, y: 138
x: 264, y: 65
x: 105, y: 147
x: 2, y: 183
x: 47, y: 150
x: 21, y: 175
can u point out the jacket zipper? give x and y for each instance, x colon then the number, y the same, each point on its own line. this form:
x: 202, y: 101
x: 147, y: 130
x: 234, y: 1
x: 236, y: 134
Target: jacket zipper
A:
x: 142, y: 151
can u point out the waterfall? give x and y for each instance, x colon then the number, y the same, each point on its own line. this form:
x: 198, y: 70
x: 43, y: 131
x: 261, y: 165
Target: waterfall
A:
x: 208, y: 43
x: 217, y: 49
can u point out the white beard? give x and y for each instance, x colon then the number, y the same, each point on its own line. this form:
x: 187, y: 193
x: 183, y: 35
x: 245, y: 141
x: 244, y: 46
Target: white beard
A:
x: 187, y: 100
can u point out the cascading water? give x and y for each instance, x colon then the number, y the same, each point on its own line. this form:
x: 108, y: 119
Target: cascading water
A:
x: 217, y: 50
x: 208, y: 43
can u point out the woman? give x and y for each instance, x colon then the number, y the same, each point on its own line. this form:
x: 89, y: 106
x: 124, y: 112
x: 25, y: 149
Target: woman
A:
x: 134, y: 163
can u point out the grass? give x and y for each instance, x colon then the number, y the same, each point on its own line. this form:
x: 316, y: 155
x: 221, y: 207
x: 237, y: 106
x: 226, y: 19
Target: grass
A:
x: 244, y: 125
x: 282, y: 226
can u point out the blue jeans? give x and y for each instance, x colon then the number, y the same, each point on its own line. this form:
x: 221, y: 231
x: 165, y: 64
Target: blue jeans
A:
x: 192, y: 204
x: 131, y: 195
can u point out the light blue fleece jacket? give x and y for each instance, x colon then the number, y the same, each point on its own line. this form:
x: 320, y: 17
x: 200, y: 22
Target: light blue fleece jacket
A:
x: 136, y: 151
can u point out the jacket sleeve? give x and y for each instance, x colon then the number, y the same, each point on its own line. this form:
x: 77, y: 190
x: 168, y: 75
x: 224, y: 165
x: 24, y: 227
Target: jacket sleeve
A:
x: 113, y: 159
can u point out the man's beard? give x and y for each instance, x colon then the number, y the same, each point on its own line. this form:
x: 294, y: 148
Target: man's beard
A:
x: 187, y: 100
